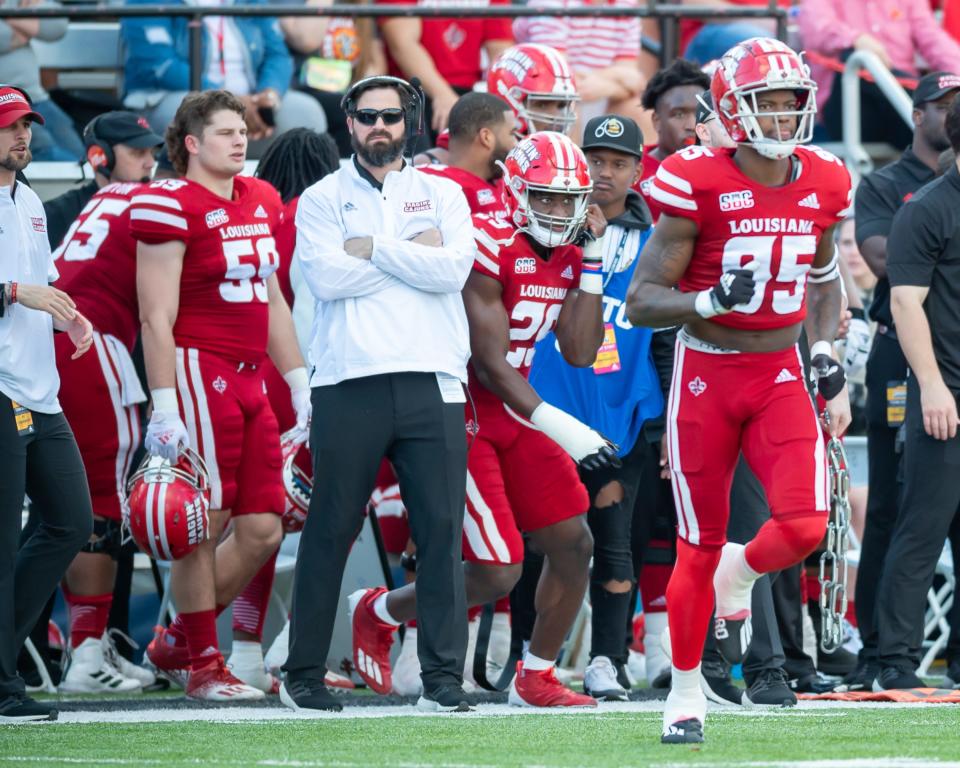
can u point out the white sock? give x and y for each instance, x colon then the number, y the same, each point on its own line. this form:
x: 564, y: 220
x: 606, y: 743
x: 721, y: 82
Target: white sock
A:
x: 248, y: 650
x: 686, y: 682
x: 380, y: 609
x: 535, y: 663
x: 733, y: 581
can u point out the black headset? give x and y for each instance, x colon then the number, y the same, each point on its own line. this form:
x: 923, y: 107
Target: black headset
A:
x: 90, y: 139
x: 411, y: 96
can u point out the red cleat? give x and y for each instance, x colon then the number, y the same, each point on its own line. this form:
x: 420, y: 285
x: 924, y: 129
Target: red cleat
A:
x: 172, y: 661
x: 372, y: 640
x: 214, y: 682
x: 542, y: 689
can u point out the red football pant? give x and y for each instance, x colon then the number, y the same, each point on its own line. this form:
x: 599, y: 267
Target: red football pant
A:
x: 720, y: 405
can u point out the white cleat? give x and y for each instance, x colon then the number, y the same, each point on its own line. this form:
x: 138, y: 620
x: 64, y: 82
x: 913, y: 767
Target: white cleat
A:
x: 658, y: 662
x: 684, y: 717
x: 126, y: 667
x: 406, y: 670
x: 600, y: 681
x: 214, y: 682
x: 90, y: 672
x: 277, y: 654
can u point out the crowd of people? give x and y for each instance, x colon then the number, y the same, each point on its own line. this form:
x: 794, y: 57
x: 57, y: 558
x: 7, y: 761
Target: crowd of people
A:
x: 586, y: 331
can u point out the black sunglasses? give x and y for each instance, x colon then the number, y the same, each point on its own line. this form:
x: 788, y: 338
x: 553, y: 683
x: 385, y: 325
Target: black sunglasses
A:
x: 390, y: 116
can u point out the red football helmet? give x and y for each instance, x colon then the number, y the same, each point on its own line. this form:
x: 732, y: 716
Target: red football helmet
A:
x: 527, y: 77
x: 750, y: 68
x: 168, y: 505
x: 297, y: 481
x: 548, y: 162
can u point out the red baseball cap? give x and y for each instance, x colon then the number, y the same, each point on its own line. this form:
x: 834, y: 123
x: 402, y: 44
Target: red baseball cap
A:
x: 14, y: 104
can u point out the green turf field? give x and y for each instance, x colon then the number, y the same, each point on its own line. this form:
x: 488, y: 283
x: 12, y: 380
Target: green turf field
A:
x: 860, y: 738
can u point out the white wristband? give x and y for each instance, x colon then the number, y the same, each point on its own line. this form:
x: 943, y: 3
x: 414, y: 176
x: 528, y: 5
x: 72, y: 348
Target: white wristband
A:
x: 297, y: 379
x: 165, y: 400
x: 821, y: 348
x: 703, y: 304
x: 591, y: 282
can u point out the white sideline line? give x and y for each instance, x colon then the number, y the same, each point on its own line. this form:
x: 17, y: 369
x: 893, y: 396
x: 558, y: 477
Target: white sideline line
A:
x: 267, y: 714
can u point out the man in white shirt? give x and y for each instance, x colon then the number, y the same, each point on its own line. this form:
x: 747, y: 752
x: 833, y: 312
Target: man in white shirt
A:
x: 38, y: 454
x: 385, y: 251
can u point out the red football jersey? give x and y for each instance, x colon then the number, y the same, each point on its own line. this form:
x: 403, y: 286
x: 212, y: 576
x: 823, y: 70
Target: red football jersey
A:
x: 648, y: 169
x: 533, y: 290
x: 741, y: 221
x: 285, y: 236
x: 230, y: 254
x: 97, y: 261
x: 482, y: 196
x: 454, y: 44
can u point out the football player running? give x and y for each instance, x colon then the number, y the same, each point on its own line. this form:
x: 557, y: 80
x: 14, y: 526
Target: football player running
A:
x: 746, y: 234
x: 529, y: 278
x: 211, y: 309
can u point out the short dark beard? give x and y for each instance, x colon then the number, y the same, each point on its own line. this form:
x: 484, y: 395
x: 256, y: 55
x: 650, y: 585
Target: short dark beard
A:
x: 381, y: 155
x: 16, y: 165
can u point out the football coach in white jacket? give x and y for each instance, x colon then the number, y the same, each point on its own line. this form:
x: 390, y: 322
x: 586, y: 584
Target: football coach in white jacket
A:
x: 385, y: 251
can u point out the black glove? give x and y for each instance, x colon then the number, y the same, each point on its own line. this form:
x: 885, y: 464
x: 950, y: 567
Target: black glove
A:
x: 829, y: 374
x: 604, y: 458
x: 735, y: 287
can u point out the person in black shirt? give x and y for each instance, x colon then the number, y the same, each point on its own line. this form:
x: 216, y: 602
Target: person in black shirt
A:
x: 878, y: 198
x: 924, y: 274
x: 120, y: 147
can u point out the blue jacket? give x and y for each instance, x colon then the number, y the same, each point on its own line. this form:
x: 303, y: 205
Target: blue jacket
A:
x: 621, y: 402
x: 157, y: 51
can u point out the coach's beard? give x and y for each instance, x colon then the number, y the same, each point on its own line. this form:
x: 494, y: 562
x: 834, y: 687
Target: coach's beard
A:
x: 15, y: 164
x: 381, y: 154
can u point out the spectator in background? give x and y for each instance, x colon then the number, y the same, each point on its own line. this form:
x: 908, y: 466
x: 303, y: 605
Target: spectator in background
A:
x: 671, y: 94
x: 330, y: 53
x: 897, y: 31
x: 705, y: 42
x: 443, y: 52
x: 245, y: 55
x: 864, y: 280
x: 603, y: 53
x: 57, y: 138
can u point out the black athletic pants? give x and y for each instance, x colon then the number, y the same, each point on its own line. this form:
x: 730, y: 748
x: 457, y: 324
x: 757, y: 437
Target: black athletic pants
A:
x: 886, y: 364
x: 930, y: 502
x: 46, y: 466
x: 355, y: 424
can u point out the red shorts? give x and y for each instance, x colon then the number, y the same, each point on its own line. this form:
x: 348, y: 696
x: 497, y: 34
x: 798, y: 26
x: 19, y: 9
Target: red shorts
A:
x: 518, y: 479
x: 93, y: 390
x: 231, y: 425
x: 757, y: 403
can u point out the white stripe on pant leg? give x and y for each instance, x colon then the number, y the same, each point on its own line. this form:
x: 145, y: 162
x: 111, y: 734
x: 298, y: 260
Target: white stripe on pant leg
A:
x: 206, y: 430
x: 186, y: 400
x: 474, y: 538
x: 487, y: 522
x: 821, y: 482
x: 689, y: 528
x: 111, y: 376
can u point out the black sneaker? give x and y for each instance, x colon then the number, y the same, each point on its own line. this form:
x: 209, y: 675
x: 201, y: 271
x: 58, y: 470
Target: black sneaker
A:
x: 683, y: 732
x: 308, y: 696
x: 770, y: 689
x: 812, y: 683
x: 893, y: 678
x: 715, y: 681
x: 952, y: 680
x: 861, y: 679
x: 20, y: 708
x: 838, y: 663
x: 446, y: 698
